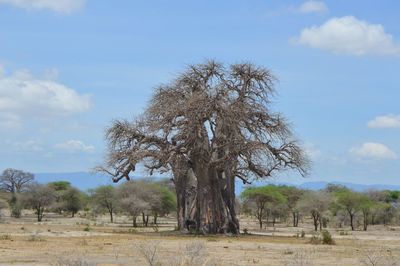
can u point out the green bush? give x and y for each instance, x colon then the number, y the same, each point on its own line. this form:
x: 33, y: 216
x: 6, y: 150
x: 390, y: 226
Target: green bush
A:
x: 327, y: 238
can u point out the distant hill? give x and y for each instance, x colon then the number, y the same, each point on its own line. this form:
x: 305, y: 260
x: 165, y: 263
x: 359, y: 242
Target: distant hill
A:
x: 353, y: 186
x: 85, y: 180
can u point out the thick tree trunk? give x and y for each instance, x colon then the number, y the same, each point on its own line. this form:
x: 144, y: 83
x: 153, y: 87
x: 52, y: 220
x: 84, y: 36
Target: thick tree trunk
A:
x: 206, y: 196
x: 185, y: 187
x: 215, y: 201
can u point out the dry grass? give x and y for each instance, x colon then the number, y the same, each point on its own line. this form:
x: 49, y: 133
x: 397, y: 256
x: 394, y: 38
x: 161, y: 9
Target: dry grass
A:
x: 64, y: 242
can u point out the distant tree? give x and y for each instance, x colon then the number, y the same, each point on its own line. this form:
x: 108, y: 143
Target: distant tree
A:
x: 316, y: 204
x: 383, y: 212
x: 335, y: 188
x: 350, y: 201
x: 131, y: 200
x: 166, y: 204
x: 38, y: 197
x: 72, y: 200
x: 104, y: 198
x: 14, y: 181
x: 60, y: 185
x: 292, y: 195
x: 366, y: 205
x: 260, y: 197
x: 16, y: 205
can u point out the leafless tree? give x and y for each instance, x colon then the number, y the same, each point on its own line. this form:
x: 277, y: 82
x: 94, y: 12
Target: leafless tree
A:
x: 14, y: 181
x: 209, y: 126
x: 132, y: 200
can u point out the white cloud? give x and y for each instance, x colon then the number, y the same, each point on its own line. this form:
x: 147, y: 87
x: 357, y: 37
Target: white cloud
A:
x: 348, y: 35
x: 74, y: 146
x: 372, y: 150
x: 385, y: 121
x: 29, y: 145
x: 313, y: 6
x: 23, y: 97
x: 59, y: 6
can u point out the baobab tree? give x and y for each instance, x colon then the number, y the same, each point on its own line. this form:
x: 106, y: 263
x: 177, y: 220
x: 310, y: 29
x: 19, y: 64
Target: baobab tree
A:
x: 14, y: 181
x: 209, y: 126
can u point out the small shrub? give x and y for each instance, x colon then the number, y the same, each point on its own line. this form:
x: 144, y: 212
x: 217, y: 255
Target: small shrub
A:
x: 5, y: 237
x: 302, y: 234
x: 87, y: 228
x: 132, y: 231
x: 288, y: 252
x: 245, y: 231
x: 196, y: 253
x: 149, y: 251
x: 327, y: 238
x: 378, y: 256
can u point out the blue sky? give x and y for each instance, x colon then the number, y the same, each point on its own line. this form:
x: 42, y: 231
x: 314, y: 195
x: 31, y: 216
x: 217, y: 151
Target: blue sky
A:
x: 69, y: 67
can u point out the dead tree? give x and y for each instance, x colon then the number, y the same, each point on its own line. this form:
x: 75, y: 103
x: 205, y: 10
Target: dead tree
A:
x: 209, y: 126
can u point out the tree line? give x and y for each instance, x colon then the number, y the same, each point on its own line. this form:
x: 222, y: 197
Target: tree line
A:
x: 144, y: 198
x: 335, y: 206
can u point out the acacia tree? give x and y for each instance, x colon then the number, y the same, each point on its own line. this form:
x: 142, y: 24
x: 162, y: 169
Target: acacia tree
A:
x: 350, y: 201
x: 209, y: 126
x: 366, y: 205
x: 72, y: 200
x: 292, y: 195
x: 39, y: 197
x: 315, y: 203
x: 104, y: 198
x: 261, y: 197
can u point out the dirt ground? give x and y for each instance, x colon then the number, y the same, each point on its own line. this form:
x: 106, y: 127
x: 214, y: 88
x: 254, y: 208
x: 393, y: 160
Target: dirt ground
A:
x: 79, y: 241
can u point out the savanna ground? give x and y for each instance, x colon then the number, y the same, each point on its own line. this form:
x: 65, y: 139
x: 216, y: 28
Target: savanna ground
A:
x: 79, y: 241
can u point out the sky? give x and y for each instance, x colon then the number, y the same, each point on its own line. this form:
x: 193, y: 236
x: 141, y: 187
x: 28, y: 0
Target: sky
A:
x: 68, y: 68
